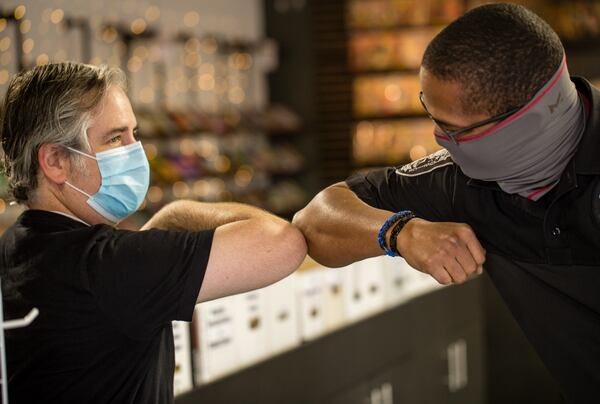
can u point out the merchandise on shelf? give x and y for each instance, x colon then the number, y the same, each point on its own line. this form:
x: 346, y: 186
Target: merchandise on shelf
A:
x: 391, y: 36
x: 377, y: 14
x: 572, y: 20
x: 389, y: 94
x: 214, y: 342
x: 281, y: 317
x: 393, y: 142
x: 199, y: 106
x: 234, y: 332
x: 168, y: 123
x: 227, y: 157
x: 399, y: 50
x: 8, y: 211
x: 182, y: 380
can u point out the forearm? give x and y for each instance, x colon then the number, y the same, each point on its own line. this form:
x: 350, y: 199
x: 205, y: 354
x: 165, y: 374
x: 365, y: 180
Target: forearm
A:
x: 195, y: 216
x: 340, y: 228
x: 251, y: 254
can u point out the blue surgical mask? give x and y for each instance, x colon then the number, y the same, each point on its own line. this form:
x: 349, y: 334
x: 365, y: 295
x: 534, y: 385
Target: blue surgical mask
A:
x: 125, y: 178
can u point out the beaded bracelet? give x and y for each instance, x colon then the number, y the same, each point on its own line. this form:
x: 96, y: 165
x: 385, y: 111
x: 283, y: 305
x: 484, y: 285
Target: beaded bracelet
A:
x: 386, y: 225
x: 396, y: 230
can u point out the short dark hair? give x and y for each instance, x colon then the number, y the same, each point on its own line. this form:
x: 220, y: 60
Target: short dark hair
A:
x: 499, y: 54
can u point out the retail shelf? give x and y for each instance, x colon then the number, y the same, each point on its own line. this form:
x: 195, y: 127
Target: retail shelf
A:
x: 380, y: 117
x: 387, y: 70
x: 395, y: 28
x: 409, y: 341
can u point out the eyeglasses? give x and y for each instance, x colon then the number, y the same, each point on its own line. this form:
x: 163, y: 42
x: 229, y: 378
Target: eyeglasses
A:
x: 453, y: 134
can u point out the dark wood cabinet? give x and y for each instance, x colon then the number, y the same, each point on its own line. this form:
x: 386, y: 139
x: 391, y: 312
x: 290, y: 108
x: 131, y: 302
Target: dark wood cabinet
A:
x: 428, y: 350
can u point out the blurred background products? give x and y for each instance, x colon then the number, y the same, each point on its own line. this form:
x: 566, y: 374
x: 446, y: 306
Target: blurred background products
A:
x: 197, y: 81
x: 386, y: 42
x: 392, y: 13
x: 216, y: 88
x: 387, y: 95
x: 385, y: 142
x: 398, y: 50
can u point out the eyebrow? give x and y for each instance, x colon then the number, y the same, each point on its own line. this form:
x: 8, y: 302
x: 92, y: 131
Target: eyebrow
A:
x: 119, y: 130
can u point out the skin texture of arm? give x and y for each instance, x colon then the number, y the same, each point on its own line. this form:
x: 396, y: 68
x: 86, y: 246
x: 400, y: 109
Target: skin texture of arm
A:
x: 251, y: 248
x: 341, y: 229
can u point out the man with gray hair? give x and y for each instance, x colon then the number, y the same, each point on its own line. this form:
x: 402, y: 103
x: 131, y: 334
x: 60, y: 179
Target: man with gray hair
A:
x: 107, y: 296
x: 517, y: 187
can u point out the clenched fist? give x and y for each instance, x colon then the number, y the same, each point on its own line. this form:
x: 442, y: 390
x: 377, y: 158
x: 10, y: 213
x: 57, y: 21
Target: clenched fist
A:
x: 449, y: 252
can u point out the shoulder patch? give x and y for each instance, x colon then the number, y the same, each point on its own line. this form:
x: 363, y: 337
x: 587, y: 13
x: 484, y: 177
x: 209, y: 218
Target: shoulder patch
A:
x: 427, y: 164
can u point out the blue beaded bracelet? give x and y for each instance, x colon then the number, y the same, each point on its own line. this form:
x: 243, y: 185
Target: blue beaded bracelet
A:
x: 388, y: 223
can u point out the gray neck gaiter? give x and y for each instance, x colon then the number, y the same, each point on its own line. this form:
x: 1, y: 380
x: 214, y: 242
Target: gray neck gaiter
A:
x: 527, y: 152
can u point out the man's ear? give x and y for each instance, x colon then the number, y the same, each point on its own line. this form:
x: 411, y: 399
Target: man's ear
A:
x: 54, y: 162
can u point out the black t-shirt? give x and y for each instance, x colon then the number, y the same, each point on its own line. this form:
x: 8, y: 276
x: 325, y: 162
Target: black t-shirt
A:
x: 106, y: 299
x: 543, y: 257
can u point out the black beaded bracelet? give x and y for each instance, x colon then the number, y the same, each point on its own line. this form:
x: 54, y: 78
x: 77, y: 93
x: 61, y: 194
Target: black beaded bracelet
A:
x: 396, y: 230
x: 386, y: 226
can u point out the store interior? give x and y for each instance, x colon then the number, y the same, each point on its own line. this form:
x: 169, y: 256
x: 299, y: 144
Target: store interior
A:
x: 266, y: 102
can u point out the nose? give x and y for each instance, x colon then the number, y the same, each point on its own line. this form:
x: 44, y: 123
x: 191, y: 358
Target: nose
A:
x: 129, y: 138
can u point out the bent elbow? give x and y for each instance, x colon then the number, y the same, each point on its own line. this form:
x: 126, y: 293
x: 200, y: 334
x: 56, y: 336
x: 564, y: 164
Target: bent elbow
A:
x: 285, y: 249
x: 304, y: 225
x: 294, y: 246
x: 316, y: 238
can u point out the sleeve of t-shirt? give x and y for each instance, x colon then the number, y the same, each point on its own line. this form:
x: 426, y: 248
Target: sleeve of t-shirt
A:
x: 425, y: 187
x: 143, y: 280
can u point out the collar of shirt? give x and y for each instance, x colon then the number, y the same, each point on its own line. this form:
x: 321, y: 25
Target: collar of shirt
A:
x: 484, y: 184
x: 69, y: 216
x: 586, y: 158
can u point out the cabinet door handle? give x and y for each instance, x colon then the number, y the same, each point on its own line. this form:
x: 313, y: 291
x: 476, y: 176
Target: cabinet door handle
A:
x: 457, y: 365
x: 376, y: 396
x: 383, y: 394
x: 387, y: 393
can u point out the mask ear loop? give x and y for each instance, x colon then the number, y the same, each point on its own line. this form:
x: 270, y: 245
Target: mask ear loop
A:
x: 77, y: 189
x: 71, y: 185
x: 82, y: 153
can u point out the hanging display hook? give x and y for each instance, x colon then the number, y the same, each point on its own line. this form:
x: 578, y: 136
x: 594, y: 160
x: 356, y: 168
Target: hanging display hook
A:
x: 21, y: 322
